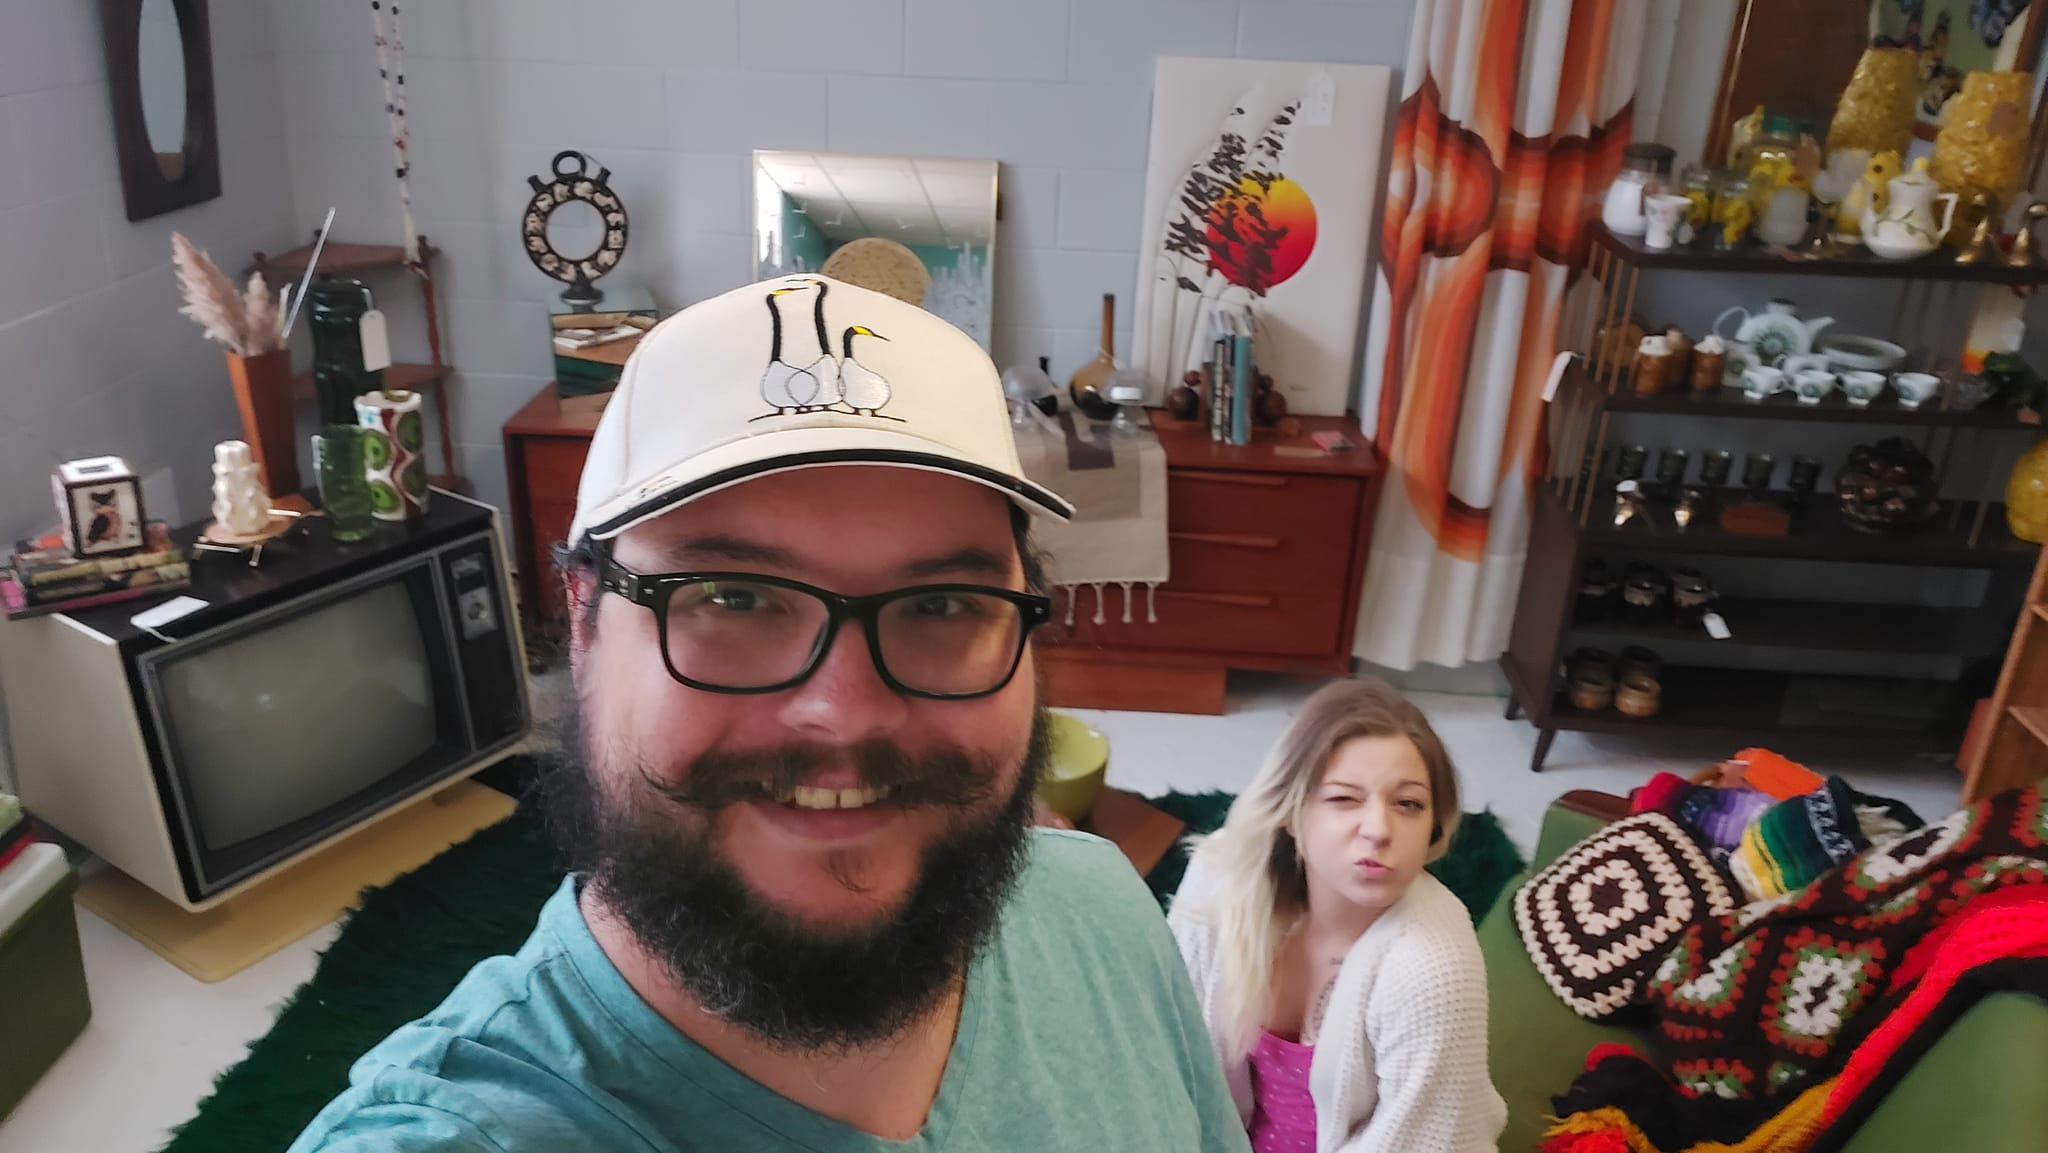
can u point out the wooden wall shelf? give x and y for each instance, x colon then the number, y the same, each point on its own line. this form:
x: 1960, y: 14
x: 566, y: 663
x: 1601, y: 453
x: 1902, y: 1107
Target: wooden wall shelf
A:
x: 341, y: 258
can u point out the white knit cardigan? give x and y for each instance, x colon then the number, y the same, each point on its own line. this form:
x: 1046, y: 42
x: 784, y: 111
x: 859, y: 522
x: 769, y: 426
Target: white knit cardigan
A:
x: 1400, y: 1059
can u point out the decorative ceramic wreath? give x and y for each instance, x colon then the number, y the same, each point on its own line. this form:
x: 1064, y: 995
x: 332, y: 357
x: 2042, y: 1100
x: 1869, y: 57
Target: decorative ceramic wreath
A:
x: 573, y: 182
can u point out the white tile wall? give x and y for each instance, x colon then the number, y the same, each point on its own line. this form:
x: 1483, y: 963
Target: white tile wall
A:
x: 94, y: 357
x: 88, y: 302
x: 674, y: 95
x: 823, y: 36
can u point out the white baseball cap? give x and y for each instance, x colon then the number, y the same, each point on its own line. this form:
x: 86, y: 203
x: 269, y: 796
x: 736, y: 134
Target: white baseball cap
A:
x: 797, y: 372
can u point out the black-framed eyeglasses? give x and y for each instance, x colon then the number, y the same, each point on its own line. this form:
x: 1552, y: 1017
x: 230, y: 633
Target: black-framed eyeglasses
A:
x: 736, y: 632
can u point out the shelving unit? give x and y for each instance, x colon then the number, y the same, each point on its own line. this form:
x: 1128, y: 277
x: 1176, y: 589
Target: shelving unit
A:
x: 1846, y: 262
x: 2013, y: 750
x: 1573, y: 519
x: 430, y: 378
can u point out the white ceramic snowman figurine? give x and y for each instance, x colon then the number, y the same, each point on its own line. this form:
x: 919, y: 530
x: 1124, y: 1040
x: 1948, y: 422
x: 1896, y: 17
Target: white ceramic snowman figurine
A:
x: 239, y: 503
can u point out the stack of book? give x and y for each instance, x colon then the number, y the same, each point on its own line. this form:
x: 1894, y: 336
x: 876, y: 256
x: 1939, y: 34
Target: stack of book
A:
x: 1233, y: 387
x: 44, y: 576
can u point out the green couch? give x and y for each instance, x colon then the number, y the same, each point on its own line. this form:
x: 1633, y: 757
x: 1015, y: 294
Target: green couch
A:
x: 1982, y: 1088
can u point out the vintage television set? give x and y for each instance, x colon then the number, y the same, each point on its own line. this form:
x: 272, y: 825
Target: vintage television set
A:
x: 328, y: 687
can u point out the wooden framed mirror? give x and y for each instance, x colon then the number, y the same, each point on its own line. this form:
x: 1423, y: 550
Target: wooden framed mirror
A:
x: 160, y: 73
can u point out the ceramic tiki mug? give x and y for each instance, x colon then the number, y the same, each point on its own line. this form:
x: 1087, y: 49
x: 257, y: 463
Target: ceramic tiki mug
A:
x: 394, y: 462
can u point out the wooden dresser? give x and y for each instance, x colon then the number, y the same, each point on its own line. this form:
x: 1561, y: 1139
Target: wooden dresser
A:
x: 1268, y: 544
x: 545, y: 443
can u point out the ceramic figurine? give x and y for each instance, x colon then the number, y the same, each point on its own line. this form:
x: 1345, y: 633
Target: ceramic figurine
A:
x: 1740, y: 134
x: 2024, y: 254
x: 239, y: 503
x: 1872, y: 188
x: 1776, y: 332
x: 1904, y: 226
x: 1981, y: 248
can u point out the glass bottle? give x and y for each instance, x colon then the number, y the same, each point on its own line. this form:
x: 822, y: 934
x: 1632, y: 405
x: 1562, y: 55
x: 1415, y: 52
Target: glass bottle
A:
x: 1773, y: 159
x: 334, y: 309
x: 1699, y: 189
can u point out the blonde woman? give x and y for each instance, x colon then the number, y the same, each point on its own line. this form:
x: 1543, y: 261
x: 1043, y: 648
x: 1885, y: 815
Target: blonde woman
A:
x: 1342, y: 984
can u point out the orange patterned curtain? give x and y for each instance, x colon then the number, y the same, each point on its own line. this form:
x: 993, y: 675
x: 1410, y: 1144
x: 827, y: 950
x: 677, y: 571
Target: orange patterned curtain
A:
x: 1513, y: 115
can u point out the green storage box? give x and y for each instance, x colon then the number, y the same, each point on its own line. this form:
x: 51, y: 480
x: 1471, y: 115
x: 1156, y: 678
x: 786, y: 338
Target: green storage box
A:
x: 41, y: 969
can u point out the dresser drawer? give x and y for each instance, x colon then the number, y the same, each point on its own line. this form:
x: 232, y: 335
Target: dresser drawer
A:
x: 1233, y: 622
x: 1245, y: 532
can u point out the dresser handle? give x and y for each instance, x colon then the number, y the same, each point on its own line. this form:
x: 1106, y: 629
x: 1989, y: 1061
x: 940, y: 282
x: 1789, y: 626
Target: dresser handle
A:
x: 1227, y: 540
x: 1242, y: 479
x: 1238, y: 600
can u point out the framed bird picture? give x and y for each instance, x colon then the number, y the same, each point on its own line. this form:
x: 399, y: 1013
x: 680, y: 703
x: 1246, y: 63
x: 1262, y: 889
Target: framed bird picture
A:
x: 99, y: 505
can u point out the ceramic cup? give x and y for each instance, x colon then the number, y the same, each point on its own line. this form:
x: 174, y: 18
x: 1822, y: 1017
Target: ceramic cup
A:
x: 1915, y: 387
x: 1760, y: 381
x: 1813, y: 385
x: 1862, y: 387
x: 1661, y: 218
x: 1715, y: 464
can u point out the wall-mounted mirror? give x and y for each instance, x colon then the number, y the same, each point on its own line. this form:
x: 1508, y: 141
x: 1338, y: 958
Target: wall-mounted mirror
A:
x: 920, y: 229
x: 160, y: 73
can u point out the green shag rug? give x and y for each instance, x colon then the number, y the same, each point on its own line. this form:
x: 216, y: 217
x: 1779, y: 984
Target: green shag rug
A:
x: 412, y: 940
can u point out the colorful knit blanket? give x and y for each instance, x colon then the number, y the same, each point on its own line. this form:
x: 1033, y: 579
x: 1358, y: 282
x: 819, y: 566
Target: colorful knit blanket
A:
x: 1756, y: 1014
x: 1796, y: 840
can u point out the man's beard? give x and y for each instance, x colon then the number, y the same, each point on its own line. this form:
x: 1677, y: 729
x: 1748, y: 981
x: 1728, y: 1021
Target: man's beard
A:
x: 793, y: 985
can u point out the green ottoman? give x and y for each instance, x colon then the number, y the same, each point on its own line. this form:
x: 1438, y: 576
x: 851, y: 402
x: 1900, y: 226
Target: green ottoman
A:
x: 41, y: 973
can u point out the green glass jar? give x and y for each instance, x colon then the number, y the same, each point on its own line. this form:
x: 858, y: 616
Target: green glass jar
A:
x: 338, y: 453
x: 334, y: 309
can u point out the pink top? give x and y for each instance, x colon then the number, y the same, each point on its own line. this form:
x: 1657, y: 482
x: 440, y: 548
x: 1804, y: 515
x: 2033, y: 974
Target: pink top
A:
x: 1283, y: 1113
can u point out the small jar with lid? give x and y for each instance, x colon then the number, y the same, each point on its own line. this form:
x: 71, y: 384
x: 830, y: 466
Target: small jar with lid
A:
x: 1645, y: 172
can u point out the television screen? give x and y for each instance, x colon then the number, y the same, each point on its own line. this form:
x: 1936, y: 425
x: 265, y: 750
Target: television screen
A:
x: 278, y: 724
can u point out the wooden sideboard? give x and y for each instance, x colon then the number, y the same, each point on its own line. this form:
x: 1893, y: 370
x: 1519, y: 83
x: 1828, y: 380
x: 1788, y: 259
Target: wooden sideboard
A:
x: 545, y: 443
x: 1268, y: 544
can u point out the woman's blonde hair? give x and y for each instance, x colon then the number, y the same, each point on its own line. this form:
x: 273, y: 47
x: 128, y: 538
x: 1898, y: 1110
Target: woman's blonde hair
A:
x: 1261, y: 889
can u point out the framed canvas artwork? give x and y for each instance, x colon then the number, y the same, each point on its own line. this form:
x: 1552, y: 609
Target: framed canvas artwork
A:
x: 1261, y: 189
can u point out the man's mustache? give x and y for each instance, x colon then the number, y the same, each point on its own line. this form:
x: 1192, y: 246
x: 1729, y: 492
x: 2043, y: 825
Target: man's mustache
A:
x: 940, y: 777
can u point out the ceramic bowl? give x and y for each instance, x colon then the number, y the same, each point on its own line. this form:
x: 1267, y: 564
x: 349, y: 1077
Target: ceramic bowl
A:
x: 1862, y: 353
x: 1075, y: 770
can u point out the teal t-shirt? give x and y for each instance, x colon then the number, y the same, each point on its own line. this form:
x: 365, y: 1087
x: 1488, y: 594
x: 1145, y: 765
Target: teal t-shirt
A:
x: 1079, y: 1031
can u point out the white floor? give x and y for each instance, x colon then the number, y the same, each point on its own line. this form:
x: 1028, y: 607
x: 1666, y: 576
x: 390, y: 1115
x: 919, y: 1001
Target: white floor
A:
x: 158, y: 1038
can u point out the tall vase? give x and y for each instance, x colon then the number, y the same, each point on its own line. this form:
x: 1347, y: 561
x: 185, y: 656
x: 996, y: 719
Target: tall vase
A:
x: 393, y: 453
x: 2026, y: 494
x: 263, y: 395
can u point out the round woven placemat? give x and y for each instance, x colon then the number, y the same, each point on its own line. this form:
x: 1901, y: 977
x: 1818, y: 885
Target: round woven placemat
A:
x: 881, y: 264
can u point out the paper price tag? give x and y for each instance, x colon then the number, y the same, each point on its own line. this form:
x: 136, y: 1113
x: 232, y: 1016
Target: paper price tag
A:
x: 376, y: 341
x: 1319, y: 103
x: 1716, y: 627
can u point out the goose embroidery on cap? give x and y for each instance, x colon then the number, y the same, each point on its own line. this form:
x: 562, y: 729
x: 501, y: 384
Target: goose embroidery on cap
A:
x: 824, y: 383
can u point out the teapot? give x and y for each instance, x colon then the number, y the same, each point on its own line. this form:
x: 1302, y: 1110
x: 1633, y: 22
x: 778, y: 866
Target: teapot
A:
x: 1776, y: 332
x: 1904, y: 228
